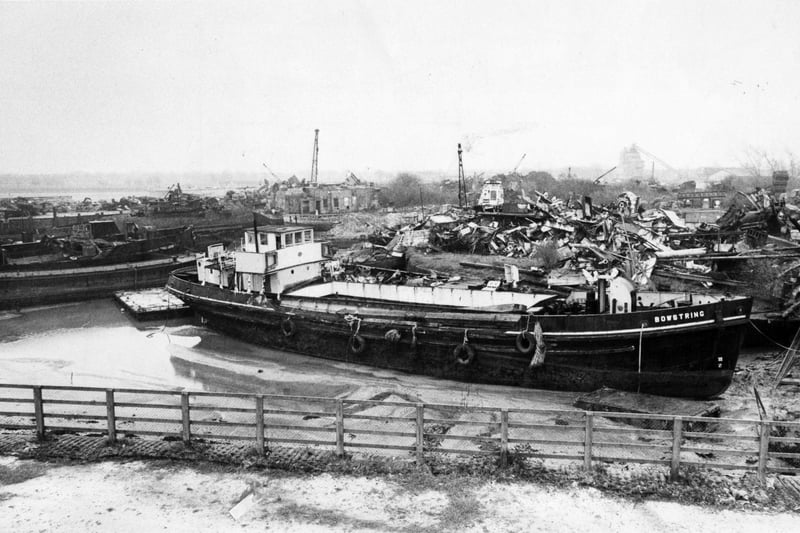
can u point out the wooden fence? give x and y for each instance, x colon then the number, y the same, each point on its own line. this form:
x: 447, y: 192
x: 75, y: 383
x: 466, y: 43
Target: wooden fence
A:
x: 415, y: 429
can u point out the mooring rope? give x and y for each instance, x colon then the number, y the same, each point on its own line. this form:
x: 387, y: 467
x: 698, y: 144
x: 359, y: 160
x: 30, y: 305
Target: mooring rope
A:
x: 776, y: 343
x: 641, y: 333
x: 351, y: 319
x: 639, y: 381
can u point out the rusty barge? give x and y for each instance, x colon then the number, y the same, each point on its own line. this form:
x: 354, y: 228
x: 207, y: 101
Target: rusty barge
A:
x: 278, y: 291
x: 92, y: 262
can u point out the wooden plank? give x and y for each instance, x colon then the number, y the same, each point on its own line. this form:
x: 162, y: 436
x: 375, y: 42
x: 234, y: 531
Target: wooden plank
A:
x: 340, y: 428
x: 111, y: 421
x: 260, y: 425
x: 574, y: 443
x: 420, y: 433
x: 675, y: 463
x: 358, y: 431
x: 186, y: 420
x: 763, y: 449
x: 504, y: 438
x: 74, y: 416
x: 587, y: 441
x: 298, y: 428
x: 147, y: 405
x: 147, y: 419
x: 38, y: 412
x: 380, y: 446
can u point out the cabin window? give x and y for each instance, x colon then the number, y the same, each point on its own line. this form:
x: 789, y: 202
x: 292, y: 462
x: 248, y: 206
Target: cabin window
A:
x: 262, y: 238
x: 289, y: 238
x: 325, y: 203
x: 336, y: 203
x: 248, y: 238
x: 298, y: 237
x: 307, y: 235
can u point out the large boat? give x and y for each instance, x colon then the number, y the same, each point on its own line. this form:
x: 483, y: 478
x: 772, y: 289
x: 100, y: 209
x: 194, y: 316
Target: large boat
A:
x: 279, y: 290
x: 93, y: 261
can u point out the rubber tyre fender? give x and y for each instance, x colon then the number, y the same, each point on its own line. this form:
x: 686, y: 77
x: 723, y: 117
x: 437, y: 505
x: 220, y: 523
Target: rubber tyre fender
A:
x: 526, y: 343
x: 288, y: 328
x: 464, y: 354
x: 357, y: 344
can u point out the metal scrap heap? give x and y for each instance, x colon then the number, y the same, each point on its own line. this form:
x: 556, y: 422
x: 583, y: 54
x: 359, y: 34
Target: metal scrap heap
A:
x: 572, y: 243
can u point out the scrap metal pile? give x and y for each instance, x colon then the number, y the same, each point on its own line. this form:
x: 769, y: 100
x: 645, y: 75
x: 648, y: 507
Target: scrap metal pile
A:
x: 572, y: 243
x: 576, y: 242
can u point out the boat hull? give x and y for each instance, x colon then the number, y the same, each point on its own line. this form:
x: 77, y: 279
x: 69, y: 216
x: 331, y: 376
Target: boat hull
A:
x: 686, y: 352
x: 39, y: 287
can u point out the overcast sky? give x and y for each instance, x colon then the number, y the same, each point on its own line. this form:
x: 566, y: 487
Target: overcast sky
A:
x: 153, y: 86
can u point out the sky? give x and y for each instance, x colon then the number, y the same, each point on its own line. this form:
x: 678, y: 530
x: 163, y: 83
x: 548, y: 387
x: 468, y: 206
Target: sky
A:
x: 393, y: 86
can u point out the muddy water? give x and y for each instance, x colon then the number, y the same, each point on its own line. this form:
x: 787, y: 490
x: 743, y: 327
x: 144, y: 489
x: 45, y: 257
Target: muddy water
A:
x: 95, y: 344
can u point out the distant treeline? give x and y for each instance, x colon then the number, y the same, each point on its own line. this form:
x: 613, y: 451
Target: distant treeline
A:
x: 99, y: 182
x: 408, y: 189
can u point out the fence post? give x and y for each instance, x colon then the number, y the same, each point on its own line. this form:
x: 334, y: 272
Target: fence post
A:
x: 340, y: 428
x: 763, y: 449
x: 420, y: 434
x: 587, y: 441
x: 111, y: 417
x: 260, y: 424
x: 503, y: 438
x: 187, y: 431
x: 677, y: 433
x: 38, y: 411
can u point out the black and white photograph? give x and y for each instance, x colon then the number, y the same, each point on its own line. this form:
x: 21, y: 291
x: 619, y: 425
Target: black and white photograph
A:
x: 384, y: 266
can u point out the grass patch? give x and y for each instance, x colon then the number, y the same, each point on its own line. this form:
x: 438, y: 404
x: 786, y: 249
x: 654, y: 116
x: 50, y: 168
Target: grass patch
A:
x: 21, y: 472
x: 462, y: 509
x: 325, y: 517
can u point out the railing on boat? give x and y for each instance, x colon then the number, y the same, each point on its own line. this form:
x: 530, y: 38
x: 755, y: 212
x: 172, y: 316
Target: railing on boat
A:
x: 419, y: 430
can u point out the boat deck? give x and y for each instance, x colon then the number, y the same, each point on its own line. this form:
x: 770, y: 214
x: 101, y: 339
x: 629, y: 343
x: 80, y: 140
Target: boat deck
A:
x: 152, y: 304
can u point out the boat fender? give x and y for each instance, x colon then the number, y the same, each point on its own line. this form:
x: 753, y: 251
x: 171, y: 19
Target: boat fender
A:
x: 357, y: 344
x: 288, y: 328
x: 541, y: 347
x: 392, y: 335
x: 526, y: 343
x: 464, y: 354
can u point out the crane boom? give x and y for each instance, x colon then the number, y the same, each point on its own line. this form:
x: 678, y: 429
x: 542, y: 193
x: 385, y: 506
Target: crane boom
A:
x: 654, y: 157
x: 270, y: 171
x: 604, y: 174
x: 519, y: 163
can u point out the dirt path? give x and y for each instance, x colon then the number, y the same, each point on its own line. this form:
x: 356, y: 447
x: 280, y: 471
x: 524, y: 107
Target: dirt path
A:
x: 140, y: 496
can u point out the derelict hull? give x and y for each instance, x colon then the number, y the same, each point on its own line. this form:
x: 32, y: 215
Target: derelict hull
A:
x: 688, y: 351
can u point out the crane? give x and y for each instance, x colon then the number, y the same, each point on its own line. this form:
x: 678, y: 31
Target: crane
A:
x: 270, y: 171
x: 462, y: 182
x: 653, y: 157
x: 315, y: 159
x: 518, y: 164
x: 603, y: 175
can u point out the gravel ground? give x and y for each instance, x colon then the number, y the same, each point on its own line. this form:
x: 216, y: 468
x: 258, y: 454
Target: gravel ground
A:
x: 148, y: 496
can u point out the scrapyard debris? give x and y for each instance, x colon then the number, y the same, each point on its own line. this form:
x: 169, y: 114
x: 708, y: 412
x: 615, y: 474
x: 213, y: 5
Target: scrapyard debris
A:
x: 572, y: 241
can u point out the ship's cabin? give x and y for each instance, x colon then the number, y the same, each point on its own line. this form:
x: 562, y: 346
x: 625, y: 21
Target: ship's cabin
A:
x: 272, y: 238
x: 271, y: 259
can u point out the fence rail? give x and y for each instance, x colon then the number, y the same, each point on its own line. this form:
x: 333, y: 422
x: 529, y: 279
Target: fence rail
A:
x: 420, y: 430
